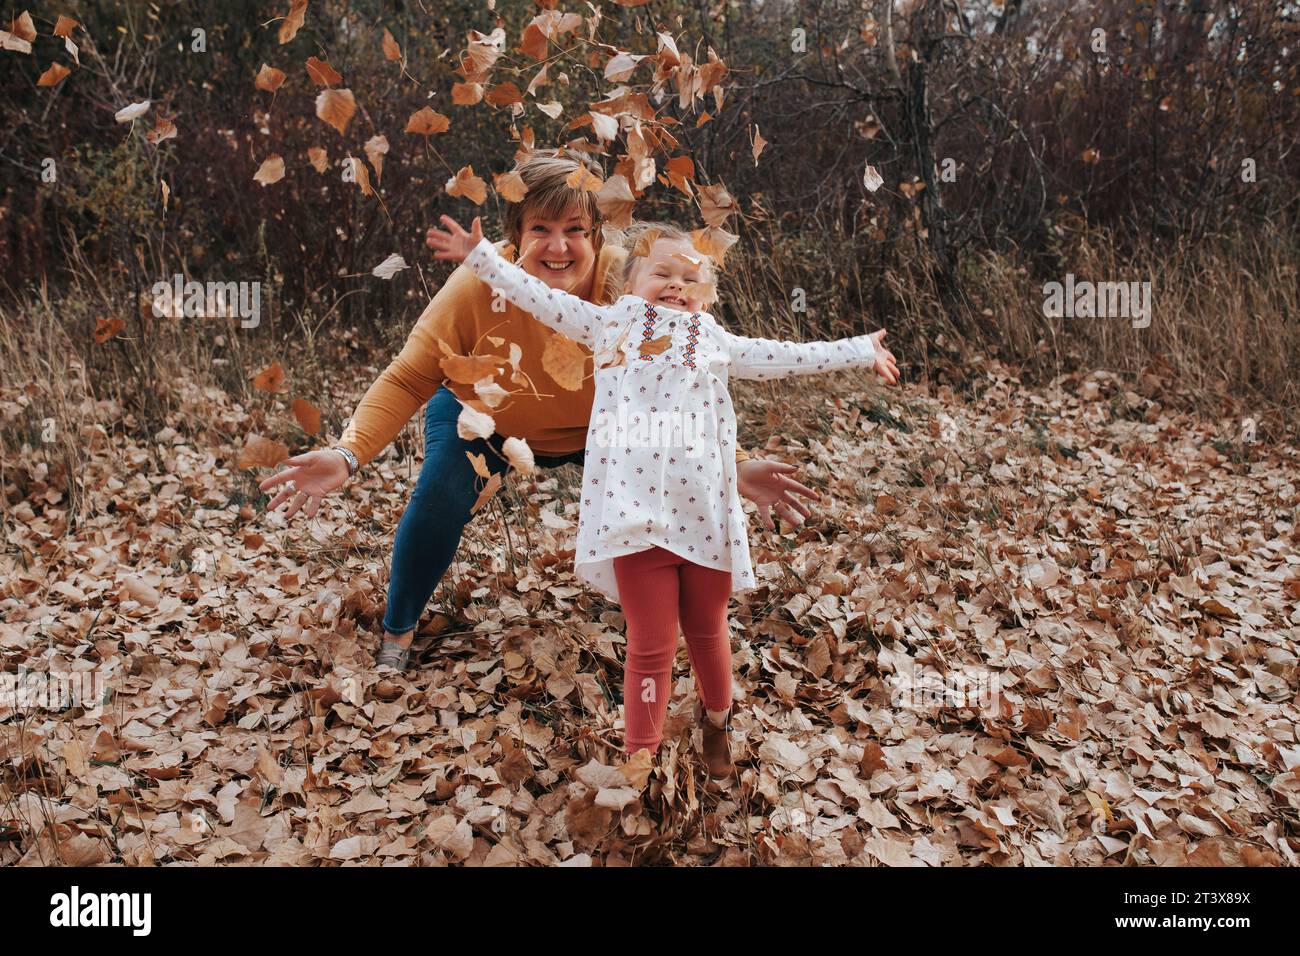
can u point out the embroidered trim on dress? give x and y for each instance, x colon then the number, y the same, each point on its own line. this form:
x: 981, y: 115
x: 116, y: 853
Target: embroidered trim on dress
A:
x: 692, y: 336
x: 650, y: 316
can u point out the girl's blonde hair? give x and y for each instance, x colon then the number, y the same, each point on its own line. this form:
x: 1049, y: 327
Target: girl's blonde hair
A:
x: 642, y: 233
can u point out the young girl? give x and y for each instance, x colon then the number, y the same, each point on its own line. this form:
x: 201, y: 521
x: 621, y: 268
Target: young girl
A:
x: 661, y: 530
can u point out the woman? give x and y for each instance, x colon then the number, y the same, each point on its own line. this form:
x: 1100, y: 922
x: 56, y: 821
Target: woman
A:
x: 466, y: 316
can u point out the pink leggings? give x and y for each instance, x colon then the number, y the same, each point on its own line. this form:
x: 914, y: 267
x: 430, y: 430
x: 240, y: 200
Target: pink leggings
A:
x: 659, y: 589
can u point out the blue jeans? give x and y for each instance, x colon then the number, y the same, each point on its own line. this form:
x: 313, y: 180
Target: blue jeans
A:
x: 430, y: 530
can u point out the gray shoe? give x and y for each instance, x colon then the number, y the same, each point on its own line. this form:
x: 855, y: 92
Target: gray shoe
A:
x: 393, y: 655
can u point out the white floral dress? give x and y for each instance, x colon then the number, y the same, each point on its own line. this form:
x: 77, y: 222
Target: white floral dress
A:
x: 660, y: 464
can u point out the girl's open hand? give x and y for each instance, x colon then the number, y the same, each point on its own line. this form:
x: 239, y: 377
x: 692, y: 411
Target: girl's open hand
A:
x: 456, y: 244
x: 886, y: 365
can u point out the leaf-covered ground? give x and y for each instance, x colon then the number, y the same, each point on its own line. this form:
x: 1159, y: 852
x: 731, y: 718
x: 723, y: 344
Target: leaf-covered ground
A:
x: 1127, y: 577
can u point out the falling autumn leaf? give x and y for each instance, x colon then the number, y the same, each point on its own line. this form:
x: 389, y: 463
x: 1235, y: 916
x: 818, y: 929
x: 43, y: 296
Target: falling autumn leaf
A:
x: 359, y: 175
x: 270, y: 379
x: 269, y: 78
x: 391, y: 50
x: 613, y: 356
x: 759, y: 143
x: 13, y: 42
x: 55, y: 75
x: 616, y: 202
x: 105, y: 329
x: 510, y: 186
x: 293, y: 21
x: 163, y: 129
x: 376, y: 147
x: 483, y: 50
x: 466, y: 184
x: 714, y: 243
x: 479, y: 464
x: 533, y: 43
x: 318, y: 157
x: 64, y: 26
x: 425, y: 121
x: 490, y: 393
x: 472, y: 423
x: 621, y: 66
x: 491, y: 488
x: 504, y: 94
x: 871, y: 178
x: 518, y: 454
x: 667, y: 52
x: 127, y: 113
x: 336, y: 107
x: 656, y: 346
x: 680, y: 171
x: 321, y: 73
x: 466, y: 94
x: 260, y: 452
x: 307, y: 416
x: 716, y: 204
x: 23, y: 27
x: 604, y: 126
x: 583, y: 179
x: 539, y: 80
x: 389, y: 267
x: 468, y: 369
x: 645, y: 242
x: 271, y: 170
x: 565, y: 361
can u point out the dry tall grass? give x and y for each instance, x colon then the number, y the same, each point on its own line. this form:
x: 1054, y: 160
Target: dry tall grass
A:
x: 1224, y: 320
x: 1224, y: 311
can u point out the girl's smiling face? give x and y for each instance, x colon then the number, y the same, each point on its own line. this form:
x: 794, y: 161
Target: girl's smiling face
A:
x: 674, y: 275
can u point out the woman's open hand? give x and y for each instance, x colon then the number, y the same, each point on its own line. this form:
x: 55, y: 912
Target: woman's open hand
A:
x: 308, y: 478
x: 886, y: 365
x: 455, y: 244
x: 768, y: 485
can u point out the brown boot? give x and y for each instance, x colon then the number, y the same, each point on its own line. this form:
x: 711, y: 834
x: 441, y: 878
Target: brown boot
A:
x: 717, y: 743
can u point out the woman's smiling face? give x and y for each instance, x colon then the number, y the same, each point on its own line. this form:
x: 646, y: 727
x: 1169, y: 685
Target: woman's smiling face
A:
x: 566, y: 258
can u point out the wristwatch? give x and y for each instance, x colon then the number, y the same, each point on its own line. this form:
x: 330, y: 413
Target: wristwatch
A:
x: 350, y: 458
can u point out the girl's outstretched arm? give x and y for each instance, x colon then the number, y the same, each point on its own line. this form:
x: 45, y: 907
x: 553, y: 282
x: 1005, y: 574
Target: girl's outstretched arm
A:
x: 577, y: 318
x: 569, y: 314
x: 773, y: 358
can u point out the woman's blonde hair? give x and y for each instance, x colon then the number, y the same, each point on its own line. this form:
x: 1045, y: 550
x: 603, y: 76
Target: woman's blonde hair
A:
x: 549, y: 196
x: 638, y: 238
